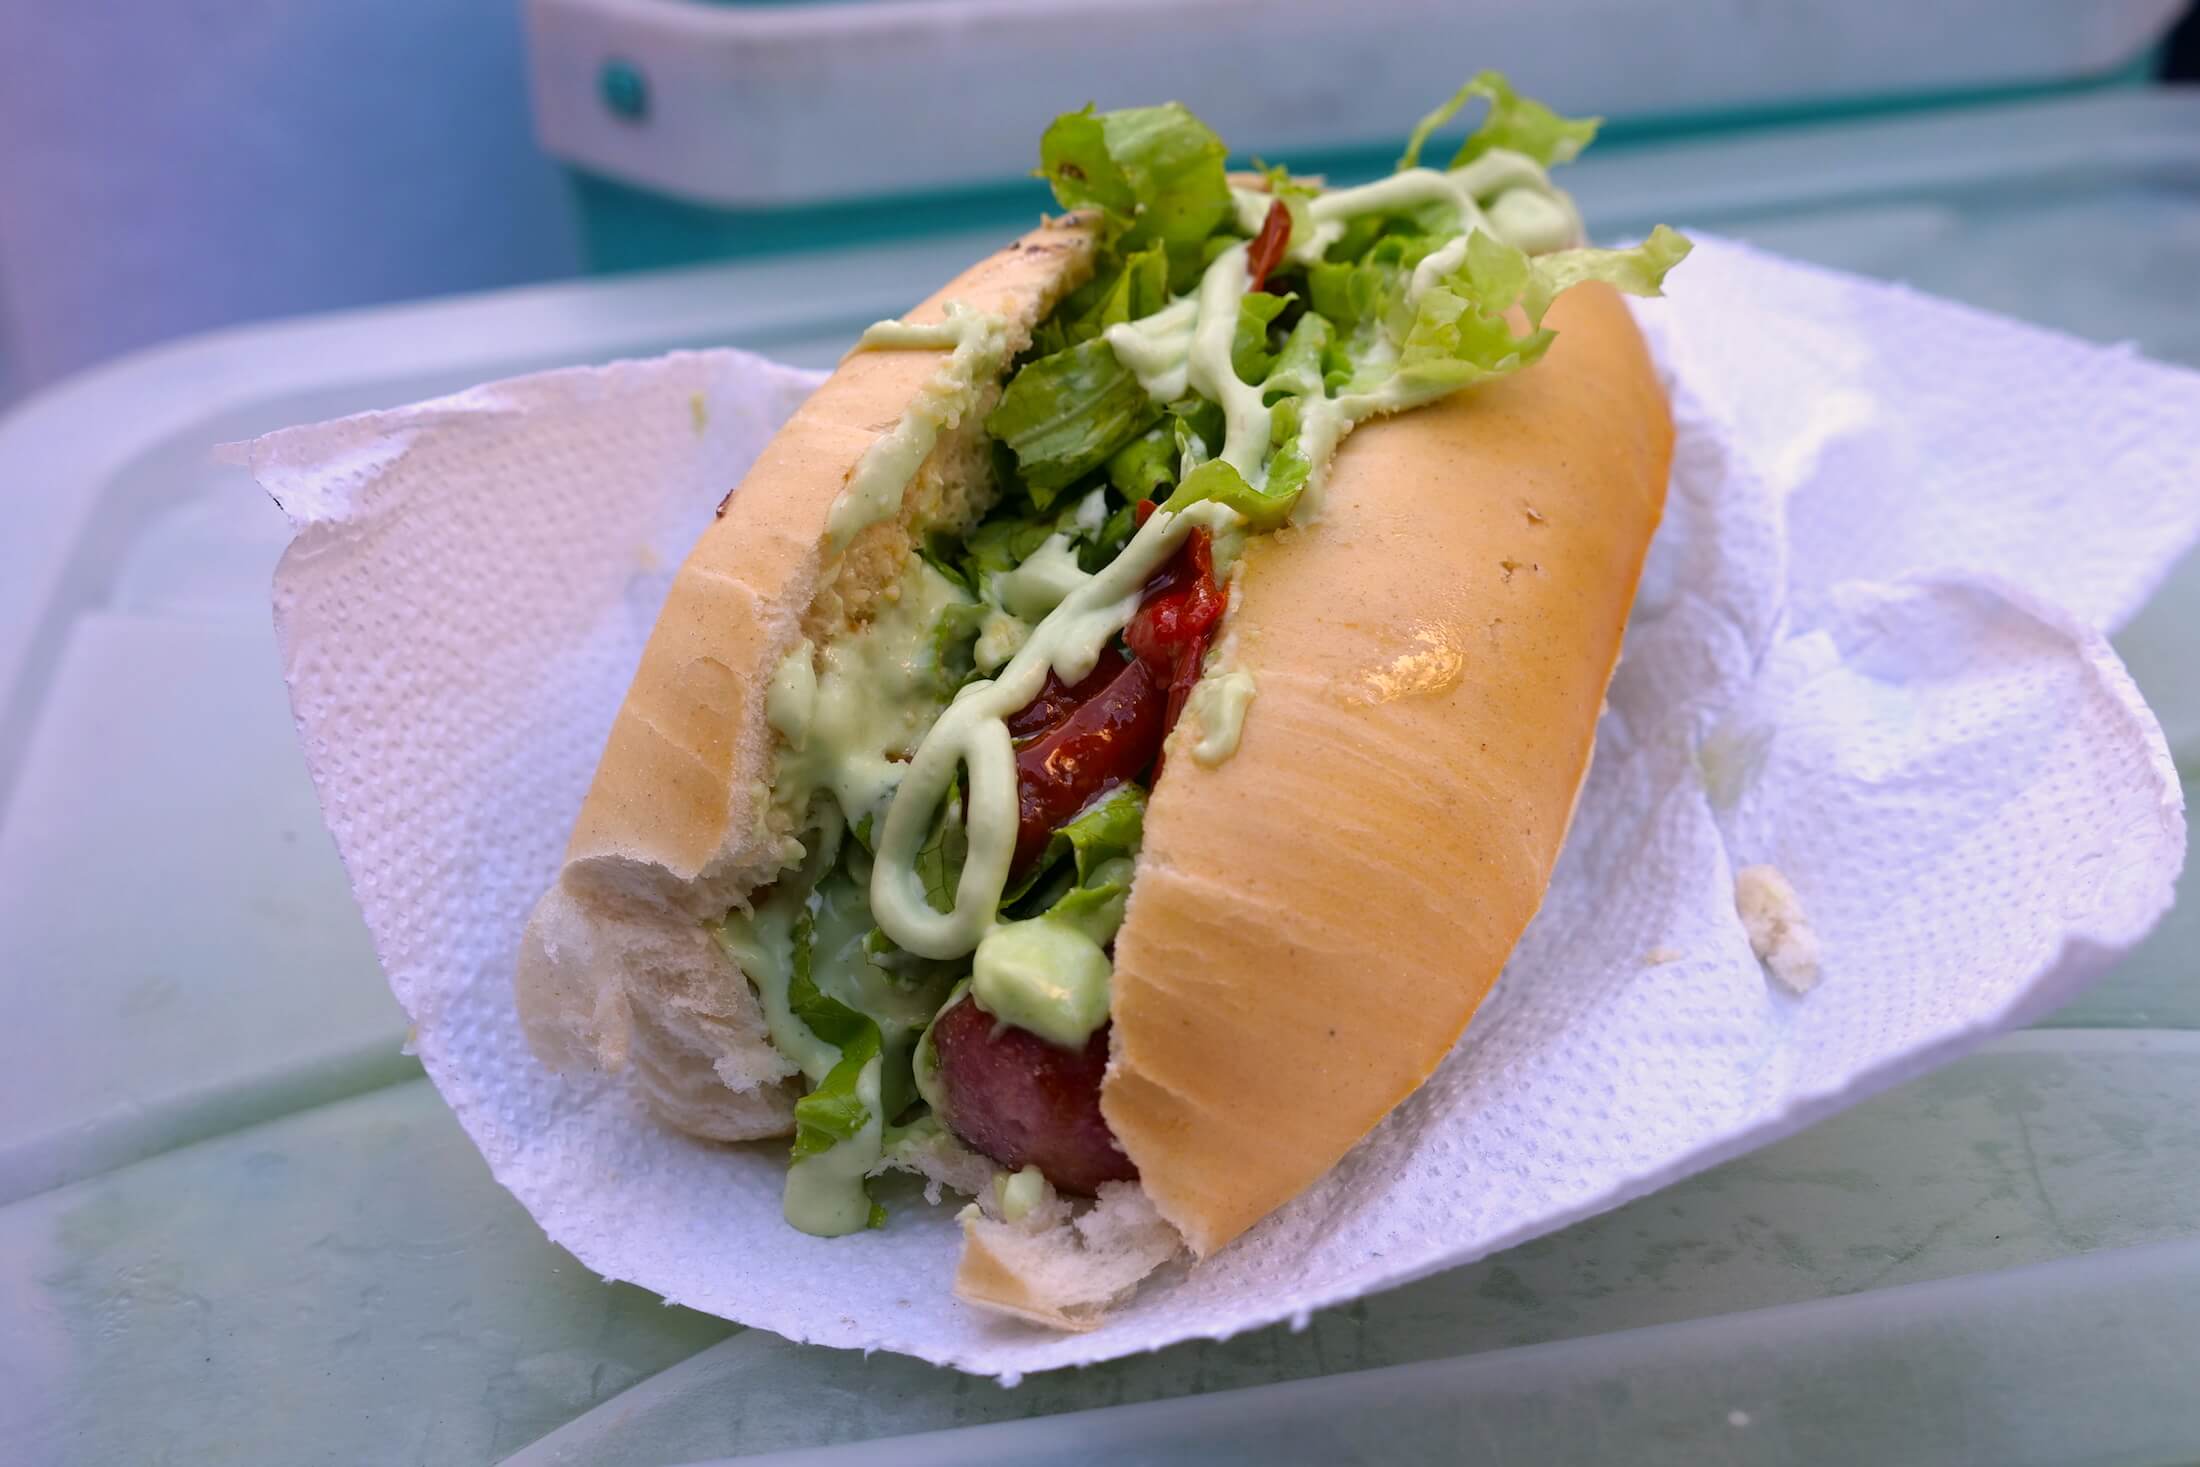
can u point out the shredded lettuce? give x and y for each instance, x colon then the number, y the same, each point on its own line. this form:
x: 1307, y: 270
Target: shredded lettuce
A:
x: 1065, y: 415
x: 1146, y: 463
x: 1353, y: 293
x: 834, y: 1112
x: 1217, y: 480
x: 953, y: 637
x: 1121, y: 289
x: 1299, y: 368
x: 940, y: 859
x: 825, y: 1016
x: 1108, y: 829
x: 1009, y: 536
x: 1139, y: 289
x: 1250, y: 357
x: 1095, y: 905
x: 1115, y: 532
x: 1001, y: 544
x: 1458, y: 332
x: 1157, y: 173
x: 1513, y: 122
x: 1289, y: 467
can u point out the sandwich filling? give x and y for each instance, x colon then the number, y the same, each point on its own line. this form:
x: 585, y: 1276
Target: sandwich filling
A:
x: 966, y: 771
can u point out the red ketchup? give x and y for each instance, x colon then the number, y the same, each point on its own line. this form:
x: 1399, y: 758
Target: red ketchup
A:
x: 1173, y: 626
x: 1076, y: 743
x: 1266, y: 251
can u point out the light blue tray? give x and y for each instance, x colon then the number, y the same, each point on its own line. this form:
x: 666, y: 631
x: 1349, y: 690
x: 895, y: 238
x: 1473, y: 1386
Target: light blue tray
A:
x: 236, y: 1225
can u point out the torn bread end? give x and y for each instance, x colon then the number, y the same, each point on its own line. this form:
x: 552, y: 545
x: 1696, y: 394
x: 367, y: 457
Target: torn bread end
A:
x: 1060, y: 1267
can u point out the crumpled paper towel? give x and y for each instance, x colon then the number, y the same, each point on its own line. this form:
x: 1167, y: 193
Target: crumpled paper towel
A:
x: 1869, y: 653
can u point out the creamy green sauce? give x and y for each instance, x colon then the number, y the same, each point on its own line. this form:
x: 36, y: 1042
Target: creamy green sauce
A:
x: 1016, y: 1194
x: 1217, y: 710
x: 1541, y: 219
x: 1245, y: 438
x: 979, y: 342
x: 972, y: 735
x: 1158, y: 348
x: 1044, y: 581
x: 1045, y: 977
x: 825, y: 1195
x: 762, y: 944
x: 1187, y: 343
x: 1000, y: 637
x: 845, y: 714
x: 1049, y: 974
x: 825, y: 1192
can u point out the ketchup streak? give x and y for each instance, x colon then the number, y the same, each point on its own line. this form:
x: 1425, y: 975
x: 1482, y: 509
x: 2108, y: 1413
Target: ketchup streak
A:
x: 1268, y: 245
x: 1074, y: 743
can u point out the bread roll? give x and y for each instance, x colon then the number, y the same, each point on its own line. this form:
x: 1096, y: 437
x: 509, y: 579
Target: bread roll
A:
x: 1312, y: 922
x: 615, y: 969
x: 1315, y: 919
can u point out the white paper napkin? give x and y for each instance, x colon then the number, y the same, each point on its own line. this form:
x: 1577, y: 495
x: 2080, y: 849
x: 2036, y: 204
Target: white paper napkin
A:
x: 1869, y: 653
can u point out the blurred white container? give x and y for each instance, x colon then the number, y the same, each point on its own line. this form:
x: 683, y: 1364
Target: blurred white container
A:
x: 746, y: 106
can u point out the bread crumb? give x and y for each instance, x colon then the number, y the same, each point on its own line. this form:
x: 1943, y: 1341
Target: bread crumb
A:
x: 1659, y: 956
x: 1779, y: 933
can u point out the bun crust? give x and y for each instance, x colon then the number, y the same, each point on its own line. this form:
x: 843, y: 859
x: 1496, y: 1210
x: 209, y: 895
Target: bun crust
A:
x: 1315, y: 920
x: 615, y: 969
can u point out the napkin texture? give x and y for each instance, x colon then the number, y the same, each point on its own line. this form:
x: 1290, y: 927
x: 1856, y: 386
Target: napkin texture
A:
x: 1869, y: 652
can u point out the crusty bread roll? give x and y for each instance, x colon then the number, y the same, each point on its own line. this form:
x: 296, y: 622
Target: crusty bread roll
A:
x: 1312, y: 922
x: 615, y: 969
x: 1315, y: 919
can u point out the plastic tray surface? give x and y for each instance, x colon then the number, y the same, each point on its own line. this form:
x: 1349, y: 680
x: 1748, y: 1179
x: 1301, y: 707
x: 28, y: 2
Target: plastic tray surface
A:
x: 235, y: 1223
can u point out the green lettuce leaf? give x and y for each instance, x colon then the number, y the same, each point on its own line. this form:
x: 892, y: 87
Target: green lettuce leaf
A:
x: 953, y: 637
x: 1115, y: 532
x: 1200, y: 426
x: 1249, y: 354
x: 1288, y: 466
x: 1513, y: 121
x: 834, y: 1112
x: 1109, y: 829
x: 1002, y: 543
x: 1065, y: 415
x: 1358, y: 292
x: 1215, y: 479
x: 1138, y: 290
x: 1146, y: 463
x: 1156, y: 172
x: 1095, y: 905
x: 825, y: 1016
x: 1298, y: 368
x: 1459, y: 333
x: 940, y: 859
